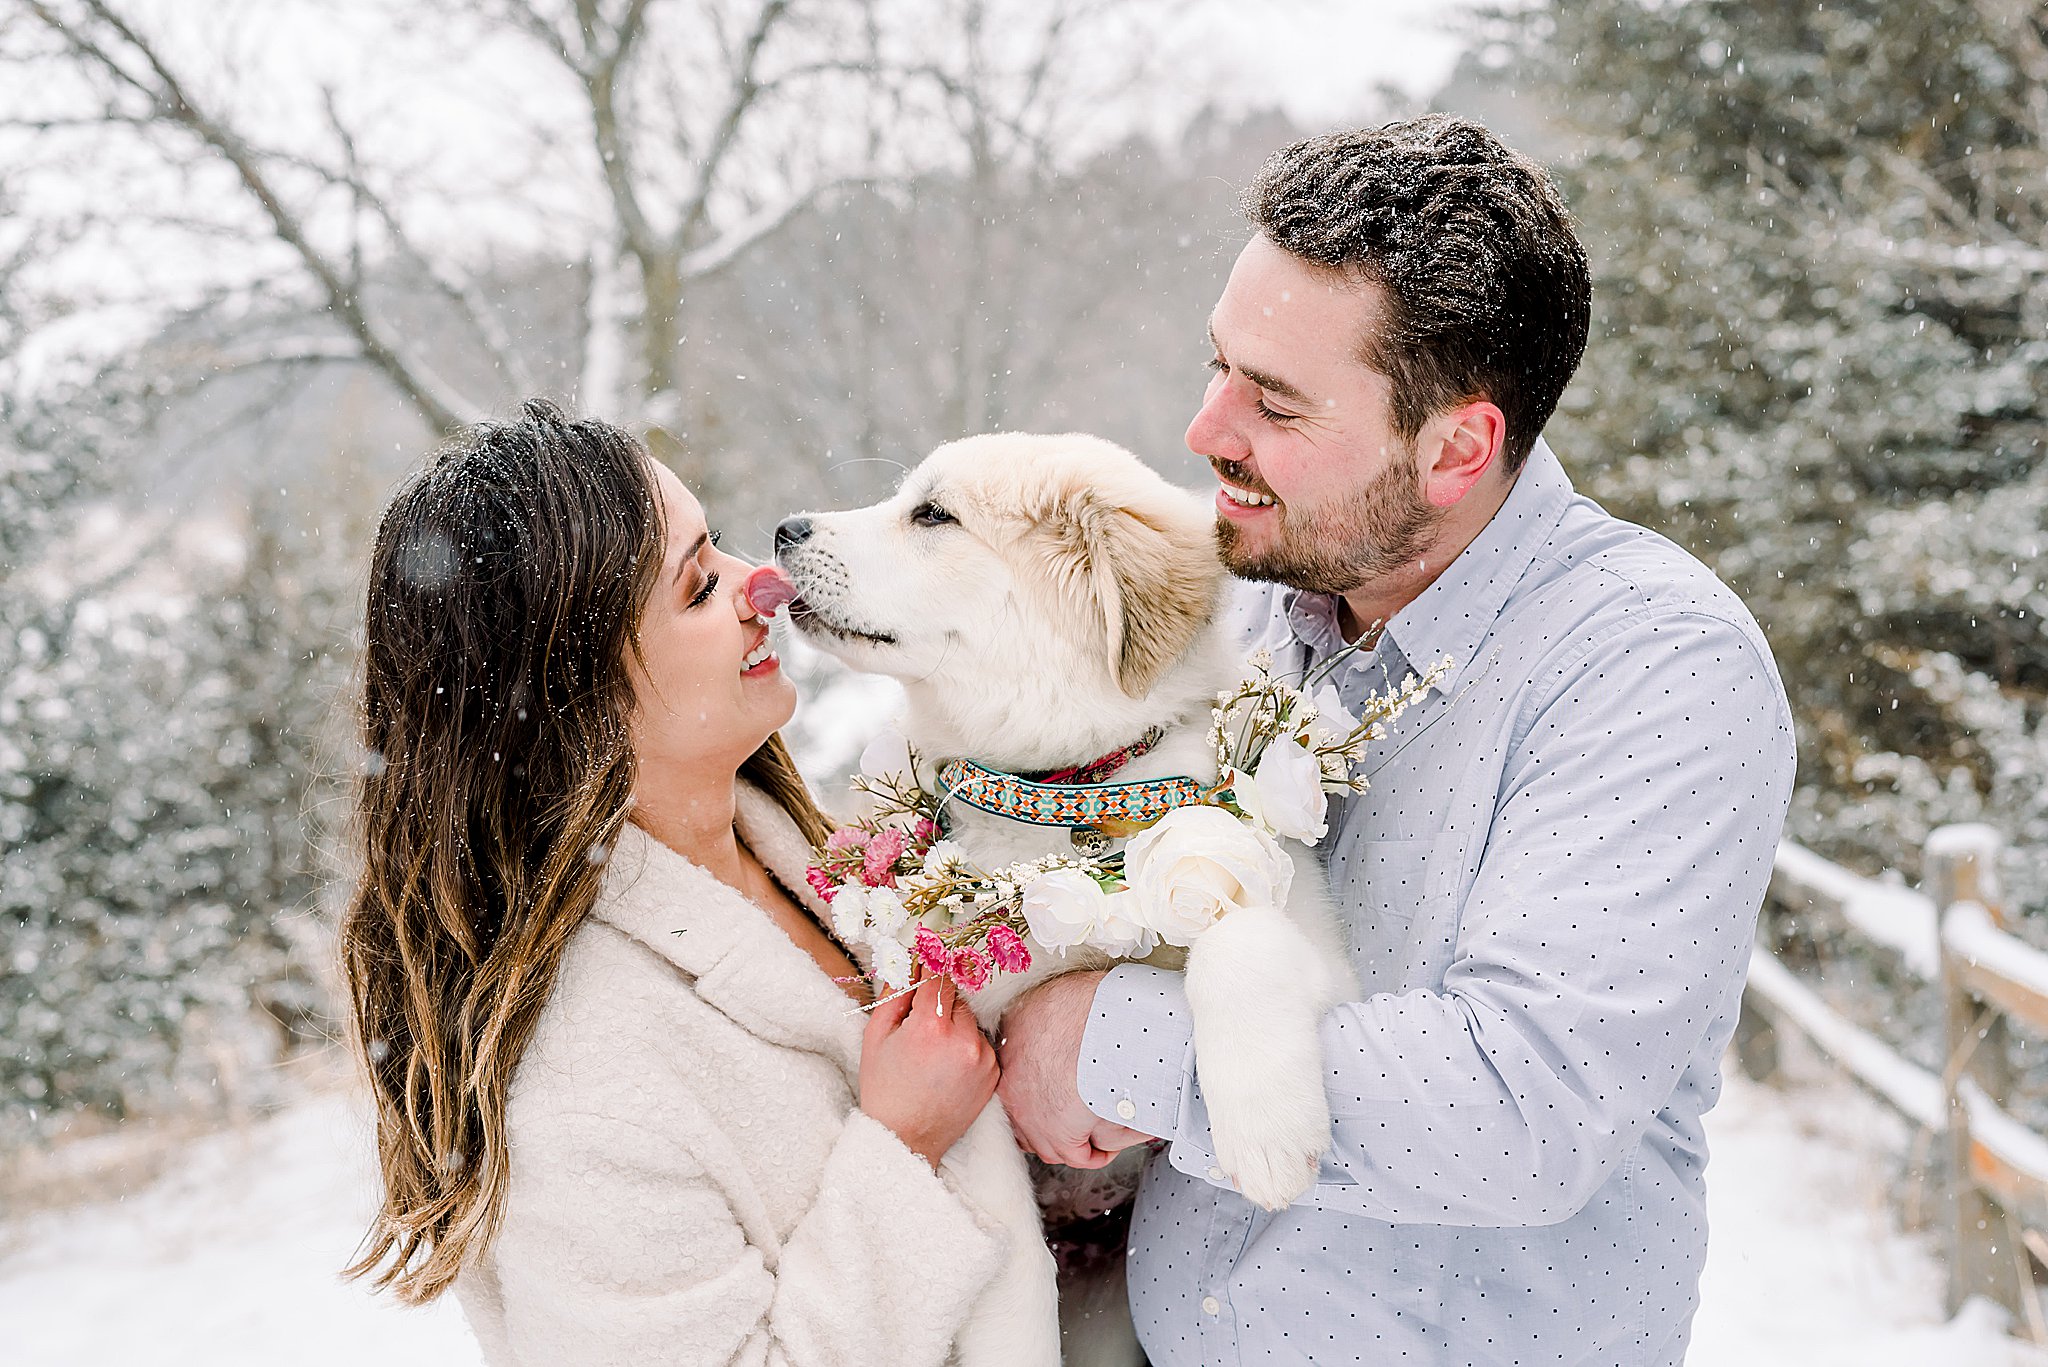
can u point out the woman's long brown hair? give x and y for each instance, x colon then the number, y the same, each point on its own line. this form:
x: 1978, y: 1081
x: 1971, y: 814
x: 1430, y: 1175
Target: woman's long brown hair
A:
x: 505, y: 595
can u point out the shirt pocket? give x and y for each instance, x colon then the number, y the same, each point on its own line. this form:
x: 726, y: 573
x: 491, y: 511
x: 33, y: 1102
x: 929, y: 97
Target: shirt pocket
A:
x: 1380, y: 887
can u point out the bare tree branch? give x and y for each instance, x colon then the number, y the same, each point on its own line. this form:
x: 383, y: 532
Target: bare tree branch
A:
x: 525, y: 16
x: 602, y: 84
x: 167, y: 93
x: 735, y: 241
x: 284, y: 352
x: 458, y: 290
x: 746, y: 87
x: 80, y: 122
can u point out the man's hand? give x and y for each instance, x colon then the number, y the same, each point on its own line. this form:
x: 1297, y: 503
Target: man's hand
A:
x: 1041, y: 1054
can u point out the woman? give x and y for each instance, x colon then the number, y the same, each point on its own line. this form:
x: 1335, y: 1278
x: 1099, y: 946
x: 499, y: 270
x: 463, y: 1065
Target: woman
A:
x: 626, y: 1103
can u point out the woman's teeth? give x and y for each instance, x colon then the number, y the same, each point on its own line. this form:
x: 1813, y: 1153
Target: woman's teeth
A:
x: 1246, y: 498
x: 763, y: 651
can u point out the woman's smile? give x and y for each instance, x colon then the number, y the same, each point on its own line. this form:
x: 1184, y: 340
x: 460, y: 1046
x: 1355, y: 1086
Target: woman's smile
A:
x: 761, y: 661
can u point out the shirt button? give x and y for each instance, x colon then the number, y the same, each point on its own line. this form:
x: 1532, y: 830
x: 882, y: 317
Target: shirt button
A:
x: 1127, y: 1109
x: 1218, y: 1175
x: 1211, y: 1306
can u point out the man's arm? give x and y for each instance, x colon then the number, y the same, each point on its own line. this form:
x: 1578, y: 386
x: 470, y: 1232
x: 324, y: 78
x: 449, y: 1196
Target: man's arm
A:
x: 1037, y: 1084
x: 1606, y: 935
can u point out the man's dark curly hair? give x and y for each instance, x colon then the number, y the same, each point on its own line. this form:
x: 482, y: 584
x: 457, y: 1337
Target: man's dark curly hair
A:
x: 1485, y: 284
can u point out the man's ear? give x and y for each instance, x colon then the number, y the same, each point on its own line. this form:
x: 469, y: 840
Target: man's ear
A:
x: 1151, y: 579
x: 1466, y: 441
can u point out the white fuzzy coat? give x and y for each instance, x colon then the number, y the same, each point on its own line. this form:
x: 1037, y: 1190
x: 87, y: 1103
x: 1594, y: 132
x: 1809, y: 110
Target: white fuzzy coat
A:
x: 692, y: 1181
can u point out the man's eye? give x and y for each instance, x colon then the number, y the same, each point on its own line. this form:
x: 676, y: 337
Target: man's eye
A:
x: 1274, y: 414
x: 1218, y: 364
x: 931, y: 515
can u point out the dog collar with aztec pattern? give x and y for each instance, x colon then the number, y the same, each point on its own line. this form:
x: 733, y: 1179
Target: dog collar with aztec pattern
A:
x: 1072, y: 805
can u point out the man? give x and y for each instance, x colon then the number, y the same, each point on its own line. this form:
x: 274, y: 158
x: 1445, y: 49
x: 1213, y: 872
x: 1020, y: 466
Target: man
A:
x: 1552, y: 883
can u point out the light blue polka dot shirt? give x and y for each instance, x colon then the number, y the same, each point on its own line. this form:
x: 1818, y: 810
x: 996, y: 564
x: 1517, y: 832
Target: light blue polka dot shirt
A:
x: 1550, y: 890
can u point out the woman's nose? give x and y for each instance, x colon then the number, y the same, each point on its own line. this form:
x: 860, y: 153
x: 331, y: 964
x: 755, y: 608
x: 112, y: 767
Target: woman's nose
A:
x: 741, y: 573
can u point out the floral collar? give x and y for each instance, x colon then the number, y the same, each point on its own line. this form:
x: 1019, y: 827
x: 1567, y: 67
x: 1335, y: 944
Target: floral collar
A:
x: 1074, y: 797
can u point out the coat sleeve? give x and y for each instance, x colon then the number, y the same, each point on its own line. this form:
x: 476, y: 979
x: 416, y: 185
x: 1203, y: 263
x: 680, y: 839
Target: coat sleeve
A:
x: 1603, y: 946
x: 619, y: 1247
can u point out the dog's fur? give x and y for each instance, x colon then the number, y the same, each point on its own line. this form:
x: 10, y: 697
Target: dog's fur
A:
x: 1065, y: 604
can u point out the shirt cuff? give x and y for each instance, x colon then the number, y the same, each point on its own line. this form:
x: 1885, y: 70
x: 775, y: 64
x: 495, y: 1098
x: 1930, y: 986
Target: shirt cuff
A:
x: 1138, y: 1052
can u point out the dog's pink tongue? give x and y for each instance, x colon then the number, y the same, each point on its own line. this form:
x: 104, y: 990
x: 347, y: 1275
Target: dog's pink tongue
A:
x: 768, y: 590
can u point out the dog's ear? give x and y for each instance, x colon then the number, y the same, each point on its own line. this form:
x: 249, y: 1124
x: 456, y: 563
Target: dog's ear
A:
x: 1152, y: 577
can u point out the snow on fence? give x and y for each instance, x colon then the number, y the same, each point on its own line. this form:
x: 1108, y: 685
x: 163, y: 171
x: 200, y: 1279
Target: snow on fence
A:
x: 1995, y: 1178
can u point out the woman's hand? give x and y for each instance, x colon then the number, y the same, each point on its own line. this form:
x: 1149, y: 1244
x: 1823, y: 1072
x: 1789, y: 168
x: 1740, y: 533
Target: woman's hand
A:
x: 926, y: 1070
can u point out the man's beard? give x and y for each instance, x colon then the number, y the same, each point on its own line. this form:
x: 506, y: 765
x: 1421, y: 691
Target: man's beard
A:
x: 1387, y: 525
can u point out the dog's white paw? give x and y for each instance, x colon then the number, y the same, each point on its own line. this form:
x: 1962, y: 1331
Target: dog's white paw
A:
x: 1271, y: 1125
x: 1270, y: 1156
x: 1257, y: 988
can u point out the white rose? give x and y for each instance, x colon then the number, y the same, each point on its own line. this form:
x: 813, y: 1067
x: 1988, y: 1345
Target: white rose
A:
x: 1063, y: 907
x: 1244, y: 791
x: 892, y: 963
x: 886, y: 756
x: 1121, y: 929
x: 850, y: 912
x: 1330, y: 708
x: 1198, y: 863
x: 886, y: 912
x: 1285, y: 793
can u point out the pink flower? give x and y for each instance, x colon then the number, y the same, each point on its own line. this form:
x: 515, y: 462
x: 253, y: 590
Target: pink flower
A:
x: 821, y: 883
x: 847, y: 838
x: 925, y: 832
x: 970, y: 970
x: 1007, y: 948
x: 931, y: 951
x: 878, y: 868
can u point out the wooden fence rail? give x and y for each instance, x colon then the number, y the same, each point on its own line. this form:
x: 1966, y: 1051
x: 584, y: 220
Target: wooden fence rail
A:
x: 1994, y: 1173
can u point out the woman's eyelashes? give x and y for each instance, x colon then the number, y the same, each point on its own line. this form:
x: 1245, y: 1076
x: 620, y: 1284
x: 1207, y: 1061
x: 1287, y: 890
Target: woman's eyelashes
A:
x: 703, y: 595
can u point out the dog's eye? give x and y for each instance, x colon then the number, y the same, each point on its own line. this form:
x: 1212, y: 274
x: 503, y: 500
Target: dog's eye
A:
x: 931, y: 515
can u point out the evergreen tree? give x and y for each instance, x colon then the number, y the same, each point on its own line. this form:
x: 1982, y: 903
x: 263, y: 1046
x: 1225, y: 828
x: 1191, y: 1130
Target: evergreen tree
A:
x: 154, y: 761
x: 1819, y: 361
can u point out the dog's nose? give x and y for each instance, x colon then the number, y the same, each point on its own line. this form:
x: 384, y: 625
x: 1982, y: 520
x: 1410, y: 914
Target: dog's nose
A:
x: 791, y: 531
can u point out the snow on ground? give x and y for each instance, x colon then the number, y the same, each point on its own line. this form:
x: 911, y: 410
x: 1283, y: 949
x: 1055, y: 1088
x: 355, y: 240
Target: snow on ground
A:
x: 1805, y: 1261
x: 230, y: 1260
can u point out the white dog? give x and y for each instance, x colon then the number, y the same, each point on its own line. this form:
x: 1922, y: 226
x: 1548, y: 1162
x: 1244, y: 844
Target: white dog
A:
x: 1046, y: 601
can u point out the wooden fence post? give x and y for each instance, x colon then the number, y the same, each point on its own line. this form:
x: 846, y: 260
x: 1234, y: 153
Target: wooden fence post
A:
x: 1961, y: 865
x: 1756, y: 1043
x: 1756, y: 1035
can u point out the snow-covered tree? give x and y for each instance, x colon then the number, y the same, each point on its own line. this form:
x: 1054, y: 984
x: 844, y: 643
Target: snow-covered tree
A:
x: 157, y: 753
x: 1821, y: 360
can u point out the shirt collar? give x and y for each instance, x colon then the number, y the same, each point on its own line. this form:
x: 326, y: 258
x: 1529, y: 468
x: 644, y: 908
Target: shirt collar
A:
x: 1451, y: 617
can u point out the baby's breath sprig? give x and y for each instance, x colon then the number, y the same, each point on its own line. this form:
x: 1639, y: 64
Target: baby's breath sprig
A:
x: 1264, y: 707
x: 898, y: 795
